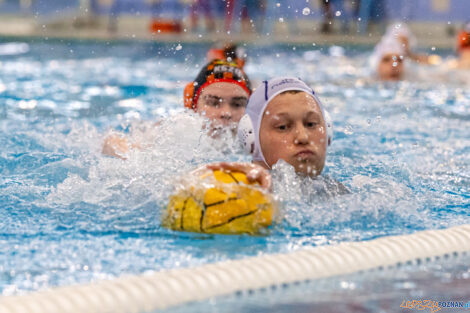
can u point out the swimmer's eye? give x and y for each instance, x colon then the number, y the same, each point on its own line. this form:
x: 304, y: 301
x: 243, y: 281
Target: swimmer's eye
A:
x: 311, y: 124
x: 213, y: 102
x: 239, y: 103
x: 282, y: 127
x: 386, y: 59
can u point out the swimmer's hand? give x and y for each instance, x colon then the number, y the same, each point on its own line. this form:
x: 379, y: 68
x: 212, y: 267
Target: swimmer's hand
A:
x: 117, y: 146
x: 254, y: 173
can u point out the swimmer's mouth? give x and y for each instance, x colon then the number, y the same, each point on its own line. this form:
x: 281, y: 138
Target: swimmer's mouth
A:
x: 225, y: 126
x: 304, y: 154
x: 217, y: 130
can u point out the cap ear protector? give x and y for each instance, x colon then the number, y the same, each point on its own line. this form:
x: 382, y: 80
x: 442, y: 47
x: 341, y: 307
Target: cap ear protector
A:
x: 189, y: 96
x: 246, y: 131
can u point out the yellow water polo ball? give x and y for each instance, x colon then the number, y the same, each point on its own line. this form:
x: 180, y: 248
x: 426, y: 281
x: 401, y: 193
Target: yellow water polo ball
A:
x: 220, y: 202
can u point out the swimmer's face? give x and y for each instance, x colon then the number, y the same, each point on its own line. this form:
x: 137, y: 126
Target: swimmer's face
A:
x: 293, y: 129
x: 223, y: 103
x: 390, y: 67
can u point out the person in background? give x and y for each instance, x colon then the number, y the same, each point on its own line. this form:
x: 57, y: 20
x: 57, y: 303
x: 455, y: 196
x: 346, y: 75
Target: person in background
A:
x: 327, y: 24
x: 244, y: 13
x: 387, y: 60
x: 196, y: 8
x: 220, y: 93
x: 278, y: 11
x: 463, y: 47
x: 402, y: 33
x: 229, y: 52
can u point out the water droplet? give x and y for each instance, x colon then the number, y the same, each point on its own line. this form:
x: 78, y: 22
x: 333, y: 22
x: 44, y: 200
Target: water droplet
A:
x: 338, y: 13
x: 281, y: 20
x: 306, y: 11
x: 179, y: 47
x: 278, y: 4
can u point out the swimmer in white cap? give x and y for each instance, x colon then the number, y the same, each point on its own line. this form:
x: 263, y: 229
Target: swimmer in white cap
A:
x: 395, y: 47
x: 402, y: 33
x: 387, y: 60
x: 284, y: 120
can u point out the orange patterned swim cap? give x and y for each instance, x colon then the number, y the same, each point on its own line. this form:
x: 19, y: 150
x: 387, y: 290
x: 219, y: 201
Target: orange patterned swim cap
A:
x: 215, y: 71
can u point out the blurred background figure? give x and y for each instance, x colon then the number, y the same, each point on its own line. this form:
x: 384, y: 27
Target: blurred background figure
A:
x: 278, y: 11
x: 114, y: 12
x: 242, y: 15
x: 198, y: 7
x: 327, y: 23
x: 345, y: 10
x: 229, y: 52
x: 371, y: 12
x: 162, y: 22
x: 463, y: 47
x: 403, y: 35
x: 387, y: 60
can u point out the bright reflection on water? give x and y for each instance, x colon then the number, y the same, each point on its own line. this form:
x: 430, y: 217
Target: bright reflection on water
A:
x: 69, y: 214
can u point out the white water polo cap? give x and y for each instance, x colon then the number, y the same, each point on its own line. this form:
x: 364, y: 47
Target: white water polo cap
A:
x: 249, y: 125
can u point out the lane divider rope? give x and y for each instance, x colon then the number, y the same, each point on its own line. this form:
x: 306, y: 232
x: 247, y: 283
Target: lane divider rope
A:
x: 160, y: 290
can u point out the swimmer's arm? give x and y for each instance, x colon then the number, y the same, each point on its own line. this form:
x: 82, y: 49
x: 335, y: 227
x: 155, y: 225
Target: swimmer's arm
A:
x: 432, y: 59
x: 419, y: 58
x: 118, y: 146
x: 253, y: 172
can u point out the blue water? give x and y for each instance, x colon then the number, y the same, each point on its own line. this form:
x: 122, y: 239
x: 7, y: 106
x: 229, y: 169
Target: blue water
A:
x: 70, y: 215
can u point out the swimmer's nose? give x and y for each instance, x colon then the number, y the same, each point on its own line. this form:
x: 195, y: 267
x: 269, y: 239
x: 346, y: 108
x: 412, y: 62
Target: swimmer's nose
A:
x: 301, y: 136
x: 225, y: 114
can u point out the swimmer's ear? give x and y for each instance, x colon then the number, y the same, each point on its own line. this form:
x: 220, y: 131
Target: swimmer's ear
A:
x: 189, y: 96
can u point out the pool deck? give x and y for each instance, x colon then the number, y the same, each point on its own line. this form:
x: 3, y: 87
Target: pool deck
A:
x: 438, y: 35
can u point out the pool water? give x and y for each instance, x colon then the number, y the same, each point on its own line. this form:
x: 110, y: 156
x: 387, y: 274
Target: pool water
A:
x: 70, y: 215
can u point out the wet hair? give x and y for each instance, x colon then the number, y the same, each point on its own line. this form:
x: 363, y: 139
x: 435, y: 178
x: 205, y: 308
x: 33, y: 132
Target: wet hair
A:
x: 292, y: 92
